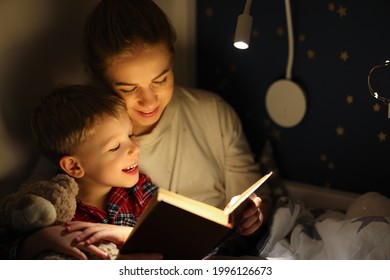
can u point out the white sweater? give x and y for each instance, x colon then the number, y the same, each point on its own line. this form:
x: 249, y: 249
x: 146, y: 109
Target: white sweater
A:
x: 198, y: 149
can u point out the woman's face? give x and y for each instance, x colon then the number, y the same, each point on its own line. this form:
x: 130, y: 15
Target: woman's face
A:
x: 145, y: 80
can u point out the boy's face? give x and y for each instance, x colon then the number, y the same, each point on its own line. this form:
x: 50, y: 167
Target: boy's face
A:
x: 110, y: 156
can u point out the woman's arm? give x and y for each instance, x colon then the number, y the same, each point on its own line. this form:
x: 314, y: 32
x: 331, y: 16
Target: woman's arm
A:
x: 241, y: 169
x: 95, y: 232
x: 54, y: 238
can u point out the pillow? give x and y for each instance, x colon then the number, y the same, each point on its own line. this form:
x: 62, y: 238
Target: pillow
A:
x: 369, y: 204
x: 364, y: 238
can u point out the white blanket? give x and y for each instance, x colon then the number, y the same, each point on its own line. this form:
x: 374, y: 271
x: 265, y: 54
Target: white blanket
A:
x: 297, y: 234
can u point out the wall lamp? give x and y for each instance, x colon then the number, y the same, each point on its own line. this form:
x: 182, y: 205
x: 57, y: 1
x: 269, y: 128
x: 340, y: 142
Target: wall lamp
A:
x: 285, y: 100
x: 243, y: 28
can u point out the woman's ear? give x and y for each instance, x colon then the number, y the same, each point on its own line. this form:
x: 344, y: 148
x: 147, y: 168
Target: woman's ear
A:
x: 72, y: 167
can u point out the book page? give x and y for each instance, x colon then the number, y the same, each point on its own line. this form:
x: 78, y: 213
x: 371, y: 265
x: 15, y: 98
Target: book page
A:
x: 242, y: 200
x: 199, y: 208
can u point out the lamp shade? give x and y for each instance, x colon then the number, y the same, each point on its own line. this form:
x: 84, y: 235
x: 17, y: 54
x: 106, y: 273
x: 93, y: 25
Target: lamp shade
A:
x: 243, y: 31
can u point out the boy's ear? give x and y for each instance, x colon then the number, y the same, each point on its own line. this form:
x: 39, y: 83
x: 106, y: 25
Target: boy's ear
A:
x: 72, y: 167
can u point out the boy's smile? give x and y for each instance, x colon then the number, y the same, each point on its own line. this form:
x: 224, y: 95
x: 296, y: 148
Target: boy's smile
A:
x: 110, y: 156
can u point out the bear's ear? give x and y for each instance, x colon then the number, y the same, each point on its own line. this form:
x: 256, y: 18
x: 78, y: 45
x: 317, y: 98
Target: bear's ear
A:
x: 72, y: 166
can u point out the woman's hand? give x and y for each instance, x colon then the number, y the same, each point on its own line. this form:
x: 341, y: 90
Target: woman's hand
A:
x: 251, y: 218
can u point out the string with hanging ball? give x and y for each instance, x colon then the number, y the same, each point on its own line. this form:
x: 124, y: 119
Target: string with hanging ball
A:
x: 374, y: 93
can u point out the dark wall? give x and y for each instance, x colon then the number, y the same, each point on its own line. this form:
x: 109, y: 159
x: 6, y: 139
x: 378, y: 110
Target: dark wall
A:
x: 40, y: 47
x: 343, y: 140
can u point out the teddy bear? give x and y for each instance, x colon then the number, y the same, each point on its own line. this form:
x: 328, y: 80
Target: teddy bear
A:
x: 43, y: 204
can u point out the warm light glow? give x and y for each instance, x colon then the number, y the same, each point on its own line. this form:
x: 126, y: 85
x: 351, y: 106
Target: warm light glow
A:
x: 241, y: 45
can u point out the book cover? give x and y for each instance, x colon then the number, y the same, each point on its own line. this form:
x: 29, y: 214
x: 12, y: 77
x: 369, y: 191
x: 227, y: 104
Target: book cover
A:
x: 182, y: 228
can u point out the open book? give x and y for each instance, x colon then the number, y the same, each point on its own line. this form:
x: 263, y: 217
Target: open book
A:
x: 182, y: 228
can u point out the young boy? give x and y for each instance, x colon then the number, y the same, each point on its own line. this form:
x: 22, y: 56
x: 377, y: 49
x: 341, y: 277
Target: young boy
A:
x: 87, y: 132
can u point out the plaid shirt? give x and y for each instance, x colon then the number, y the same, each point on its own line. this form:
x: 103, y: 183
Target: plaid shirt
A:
x: 124, y: 207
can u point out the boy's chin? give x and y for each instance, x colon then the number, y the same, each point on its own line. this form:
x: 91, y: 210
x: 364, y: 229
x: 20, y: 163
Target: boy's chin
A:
x: 133, y: 180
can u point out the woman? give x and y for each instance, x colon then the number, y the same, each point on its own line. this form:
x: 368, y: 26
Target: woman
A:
x: 192, y: 141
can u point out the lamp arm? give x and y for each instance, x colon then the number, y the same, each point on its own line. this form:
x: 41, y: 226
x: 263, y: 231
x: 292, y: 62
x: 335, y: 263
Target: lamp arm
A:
x: 290, y: 59
x: 247, y: 7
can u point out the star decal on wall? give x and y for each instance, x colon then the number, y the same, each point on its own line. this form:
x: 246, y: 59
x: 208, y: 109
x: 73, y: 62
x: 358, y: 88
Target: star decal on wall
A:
x: 209, y: 12
x: 368, y: 220
x: 267, y: 122
x: 340, y: 130
x: 382, y: 136
x: 331, y: 166
x: 331, y: 7
x: 276, y: 134
x: 349, y: 99
x: 280, y: 31
x: 344, y: 56
x: 310, y: 54
x: 376, y: 107
x: 342, y: 11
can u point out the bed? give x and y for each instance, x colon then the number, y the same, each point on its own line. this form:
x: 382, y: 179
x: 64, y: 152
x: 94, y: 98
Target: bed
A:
x: 318, y: 223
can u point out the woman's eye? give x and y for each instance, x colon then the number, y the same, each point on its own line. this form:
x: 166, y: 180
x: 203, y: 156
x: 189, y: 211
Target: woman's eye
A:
x: 133, y: 90
x: 115, y: 149
x: 161, y: 83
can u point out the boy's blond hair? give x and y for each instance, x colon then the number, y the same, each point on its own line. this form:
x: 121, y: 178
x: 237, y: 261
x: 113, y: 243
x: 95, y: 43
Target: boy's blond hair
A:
x: 66, y: 117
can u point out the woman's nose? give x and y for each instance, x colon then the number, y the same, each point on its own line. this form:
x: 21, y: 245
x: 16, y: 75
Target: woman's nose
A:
x: 147, y: 97
x: 133, y: 145
x: 134, y: 140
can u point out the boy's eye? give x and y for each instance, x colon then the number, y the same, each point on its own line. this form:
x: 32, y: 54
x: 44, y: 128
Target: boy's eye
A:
x: 115, y: 149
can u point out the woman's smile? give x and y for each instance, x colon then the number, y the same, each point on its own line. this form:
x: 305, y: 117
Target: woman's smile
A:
x: 148, y: 113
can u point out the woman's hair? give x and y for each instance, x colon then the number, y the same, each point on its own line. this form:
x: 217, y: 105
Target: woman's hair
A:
x: 66, y: 117
x: 117, y: 27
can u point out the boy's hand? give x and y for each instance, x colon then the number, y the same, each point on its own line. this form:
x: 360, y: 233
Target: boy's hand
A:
x: 90, y: 233
x: 95, y: 232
